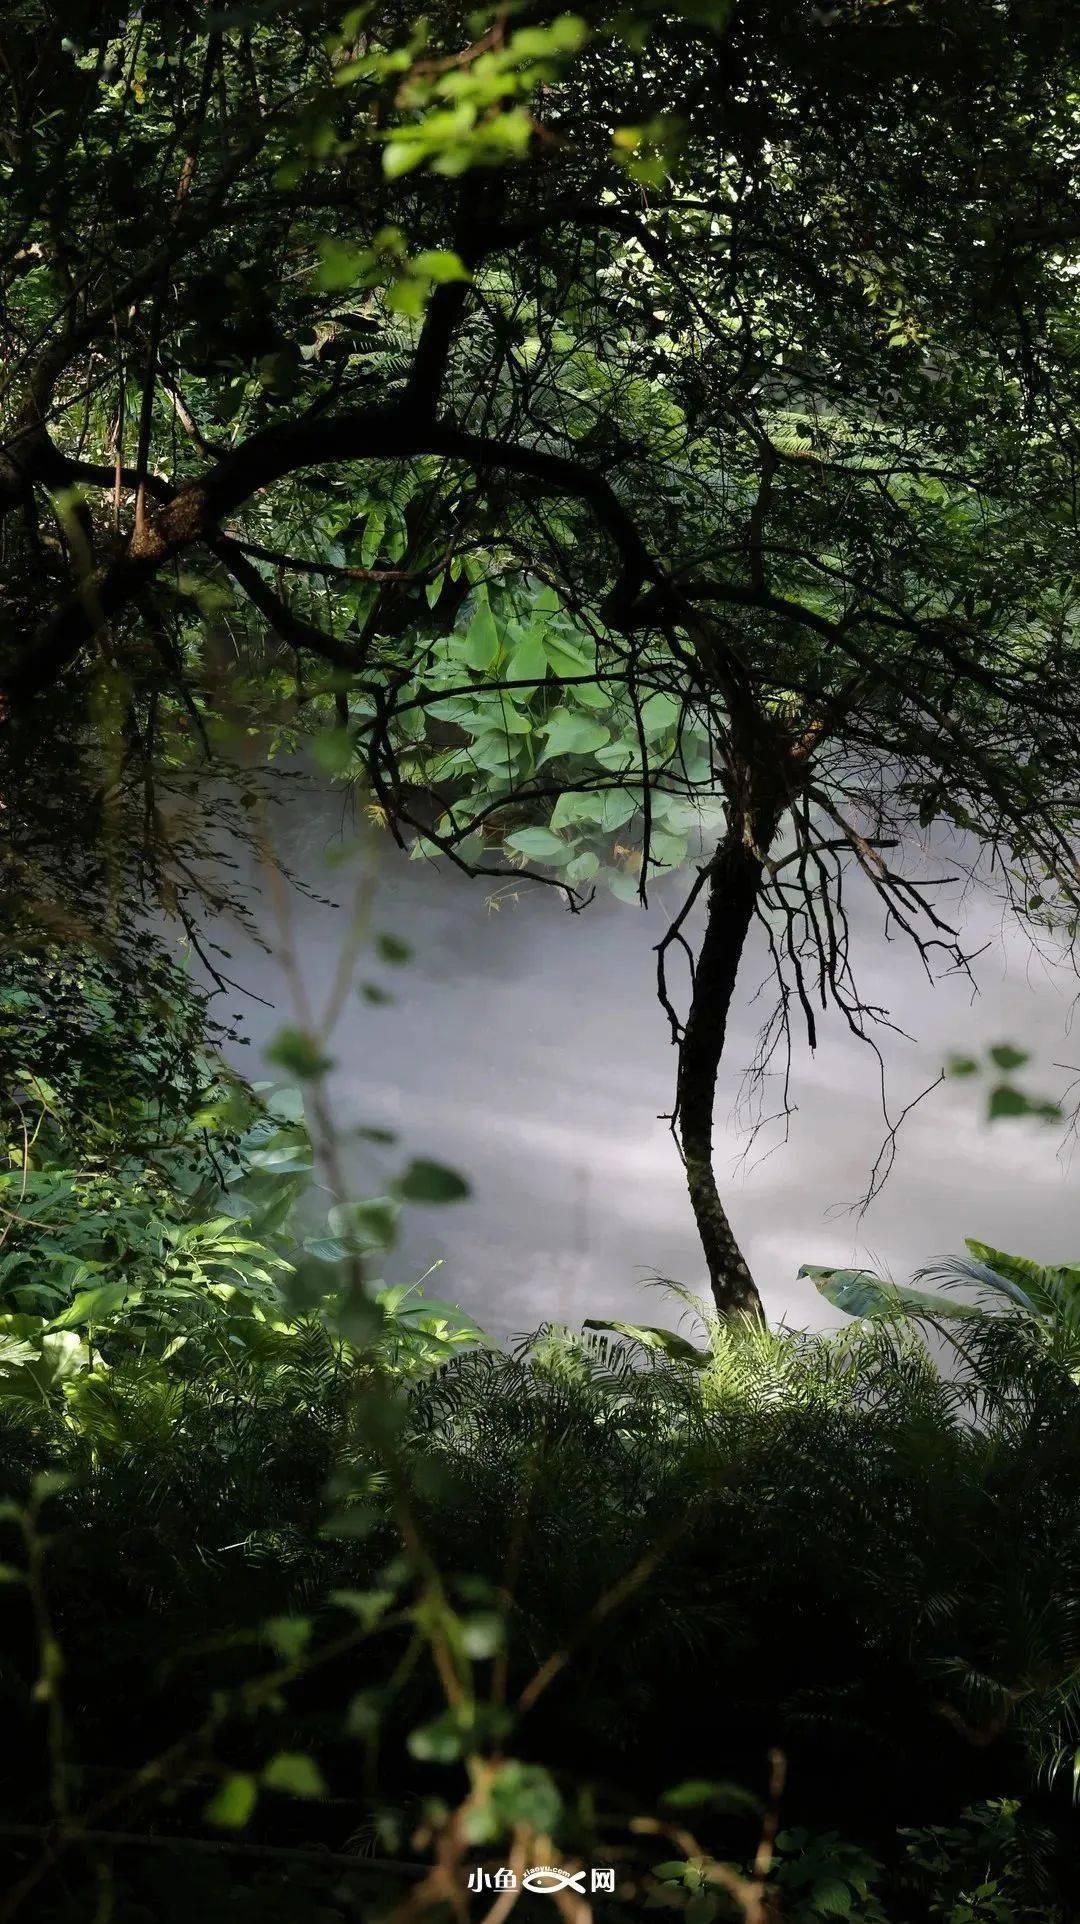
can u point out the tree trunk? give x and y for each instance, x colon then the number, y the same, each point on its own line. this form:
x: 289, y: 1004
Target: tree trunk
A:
x: 737, y: 870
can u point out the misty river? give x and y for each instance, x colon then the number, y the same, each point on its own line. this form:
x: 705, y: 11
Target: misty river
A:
x: 525, y: 1046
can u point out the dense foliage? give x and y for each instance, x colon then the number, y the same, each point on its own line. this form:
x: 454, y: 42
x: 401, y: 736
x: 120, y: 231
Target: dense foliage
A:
x: 284, y: 1552
x: 784, y: 1542
x: 616, y: 442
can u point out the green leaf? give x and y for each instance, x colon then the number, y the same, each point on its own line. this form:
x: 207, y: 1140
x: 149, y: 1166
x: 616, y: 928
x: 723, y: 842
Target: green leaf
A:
x: 431, y: 1182
x: 701, y: 1793
x: 407, y: 295
x: 1005, y: 1100
x: 366, y: 1605
x: 1022, y: 1271
x: 832, y: 1897
x: 400, y: 157
x: 298, y: 1052
x: 571, y: 810
x: 672, y: 1871
x: 659, y: 715
x: 333, y: 749
x: 437, y: 1742
x: 482, y: 1634
x: 666, y: 851
x: 618, y: 807
x: 539, y: 844
x: 326, y: 1249
x: 367, y: 1225
x: 92, y: 1305
x: 571, y: 733
x: 482, y: 638
x: 352, y: 1524
x: 528, y: 661
x: 564, y: 656
x: 288, y: 1636
x: 651, y: 1337
x: 49, y: 1483
x: 525, y: 1794
x: 374, y: 530
x: 340, y: 264
x: 232, y: 1805
x: 858, y: 1292
x: 64, y: 1355
x: 295, y: 1773
x: 392, y: 949
x: 1044, y: 1289
x: 440, y: 265
x: 1008, y: 1058
x: 591, y: 694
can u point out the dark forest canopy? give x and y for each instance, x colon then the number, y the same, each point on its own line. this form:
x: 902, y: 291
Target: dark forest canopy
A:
x: 591, y: 423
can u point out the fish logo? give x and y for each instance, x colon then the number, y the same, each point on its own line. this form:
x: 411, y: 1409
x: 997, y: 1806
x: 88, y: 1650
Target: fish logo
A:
x: 546, y: 1880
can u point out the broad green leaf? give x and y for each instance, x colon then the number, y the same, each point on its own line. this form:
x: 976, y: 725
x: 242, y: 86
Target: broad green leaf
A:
x: 571, y: 809
x: 1007, y: 1101
x: 232, y: 1805
x: 92, y: 1305
x: 619, y: 805
x: 482, y: 638
x: 572, y: 733
x: 1009, y: 1058
x: 437, y: 1742
x: 528, y: 662
x: 565, y: 657
x: 368, y: 1606
x: 666, y: 851
x: 440, y: 265
x: 651, y: 1337
x: 431, y: 1182
x: 538, y: 844
x: 832, y: 1897
x: 296, y: 1773
x: 289, y: 1636
x: 371, y: 1224
x: 523, y: 1793
x: 505, y: 717
x: 1048, y: 1289
x: 699, y: 1793
x: 659, y: 715
x: 326, y: 1249
x: 858, y: 1292
x: 620, y: 757
x: 340, y: 264
x: 300, y: 1053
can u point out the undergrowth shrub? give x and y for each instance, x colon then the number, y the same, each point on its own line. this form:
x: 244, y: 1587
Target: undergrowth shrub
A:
x: 315, y: 1563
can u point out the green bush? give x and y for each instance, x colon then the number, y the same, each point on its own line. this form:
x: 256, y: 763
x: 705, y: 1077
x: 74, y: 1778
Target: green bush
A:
x: 327, y: 1551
